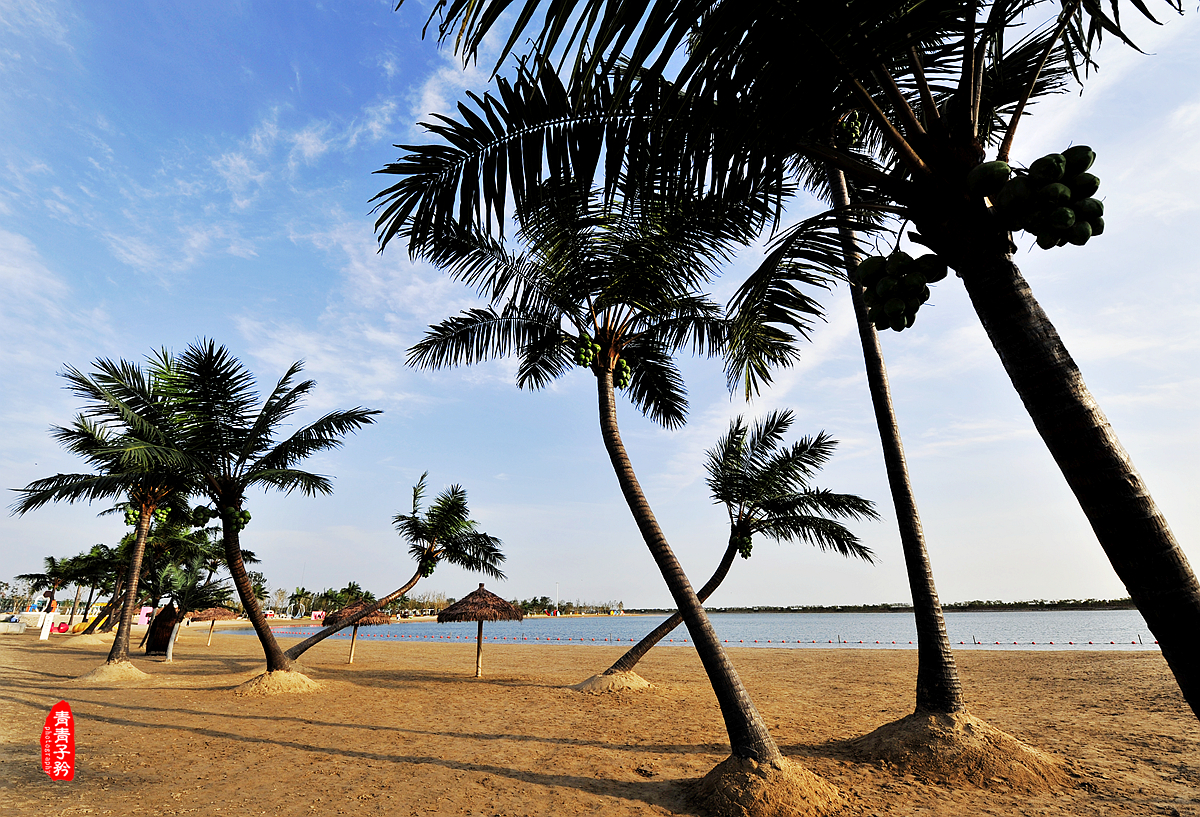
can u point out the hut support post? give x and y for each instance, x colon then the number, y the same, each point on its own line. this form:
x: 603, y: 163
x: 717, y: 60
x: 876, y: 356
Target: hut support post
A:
x: 479, y: 652
x: 353, y: 638
x: 211, y: 627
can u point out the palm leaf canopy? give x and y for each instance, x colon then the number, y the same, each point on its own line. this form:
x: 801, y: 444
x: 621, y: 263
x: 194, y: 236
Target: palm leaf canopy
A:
x: 232, y: 437
x: 766, y: 487
x: 447, y: 532
x: 481, y: 605
x: 761, y: 88
x: 127, y: 432
x: 624, y: 274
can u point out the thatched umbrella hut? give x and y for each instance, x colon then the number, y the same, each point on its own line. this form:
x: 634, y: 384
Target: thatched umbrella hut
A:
x: 338, y: 616
x: 213, y: 614
x: 481, y: 606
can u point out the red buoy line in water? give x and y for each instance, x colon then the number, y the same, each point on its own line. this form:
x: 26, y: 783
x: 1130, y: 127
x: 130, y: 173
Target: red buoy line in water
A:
x: 839, y: 640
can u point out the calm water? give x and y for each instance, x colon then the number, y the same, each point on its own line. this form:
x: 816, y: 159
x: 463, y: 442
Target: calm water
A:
x: 1100, y: 630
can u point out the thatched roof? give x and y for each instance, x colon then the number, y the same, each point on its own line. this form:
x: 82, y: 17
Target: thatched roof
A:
x: 213, y: 614
x: 481, y: 605
x: 338, y: 616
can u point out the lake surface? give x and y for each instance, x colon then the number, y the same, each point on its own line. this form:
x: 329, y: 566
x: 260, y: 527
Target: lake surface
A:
x: 1015, y: 630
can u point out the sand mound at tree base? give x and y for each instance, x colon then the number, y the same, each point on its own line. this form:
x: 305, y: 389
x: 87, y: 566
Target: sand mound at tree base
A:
x: 284, y: 682
x: 958, y: 749
x: 616, y: 682
x: 743, y: 788
x: 117, y: 671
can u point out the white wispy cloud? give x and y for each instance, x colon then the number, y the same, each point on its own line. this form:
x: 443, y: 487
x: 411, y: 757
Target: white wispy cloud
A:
x: 35, y: 19
x: 242, y: 177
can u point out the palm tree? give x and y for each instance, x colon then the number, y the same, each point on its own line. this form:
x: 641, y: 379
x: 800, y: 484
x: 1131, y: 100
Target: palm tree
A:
x: 127, y: 433
x: 231, y: 444
x: 766, y: 492
x: 613, y: 286
x: 444, y: 533
x: 53, y: 577
x: 188, y: 590
x: 301, y: 598
x: 937, y: 83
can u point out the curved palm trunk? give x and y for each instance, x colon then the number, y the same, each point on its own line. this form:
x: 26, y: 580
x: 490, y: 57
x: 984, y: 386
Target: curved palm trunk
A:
x: 938, y: 686
x: 75, y: 606
x: 1129, y: 526
x: 276, y: 660
x: 120, y: 647
x: 748, y: 735
x: 638, y: 651
x: 297, y: 650
x: 105, y: 621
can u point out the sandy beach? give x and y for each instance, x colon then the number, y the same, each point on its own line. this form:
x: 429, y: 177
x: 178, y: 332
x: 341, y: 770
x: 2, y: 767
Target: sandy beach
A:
x: 406, y: 730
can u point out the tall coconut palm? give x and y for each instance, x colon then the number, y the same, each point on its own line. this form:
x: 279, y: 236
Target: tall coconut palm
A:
x: 614, y: 287
x: 127, y: 433
x: 937, y: 83
x: 232, y: 445
x: 444, y: 533
x: 766, y: 491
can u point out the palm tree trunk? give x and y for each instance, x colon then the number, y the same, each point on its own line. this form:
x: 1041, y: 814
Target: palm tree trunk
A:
x: 938, y: 686
x: 638, y: 651
x: 107, y: 612
x: 74, y: 606
x: 748, y: 735
x: 297, y: 650
x: 120, y: 648
x: 171, y: 641
x: 1129, y: 526
x: 88, y: 607
x: 276, y: 660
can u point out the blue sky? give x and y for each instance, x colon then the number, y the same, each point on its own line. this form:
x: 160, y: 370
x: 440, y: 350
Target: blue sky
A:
x: 177, y: 171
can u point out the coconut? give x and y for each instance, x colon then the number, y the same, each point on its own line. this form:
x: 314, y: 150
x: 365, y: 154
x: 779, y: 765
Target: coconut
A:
x: 1061, y: 218
x: 897, y: 263
x: 1088, y: 209
x: 988, y: 178
x: 1083, y: 185
x: 870, y: 270
x: 1015, y: 195
x: 1049, y: 168
x: 886, y: 286
x: 1079, y: 233
x: 1047, y: 240
x: 1079, y: 158
x: 1054, y: 194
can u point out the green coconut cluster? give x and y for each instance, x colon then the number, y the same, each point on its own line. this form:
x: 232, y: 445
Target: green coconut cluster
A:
x: 745, y: 544
x: 132, y: 516
x: 848, y: 130
x: 586, y: 350
x: 622, y: 373
x: 1052, y: 200
x: 896, y: 286
x: 427, y: 567
x: 240, y: 518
